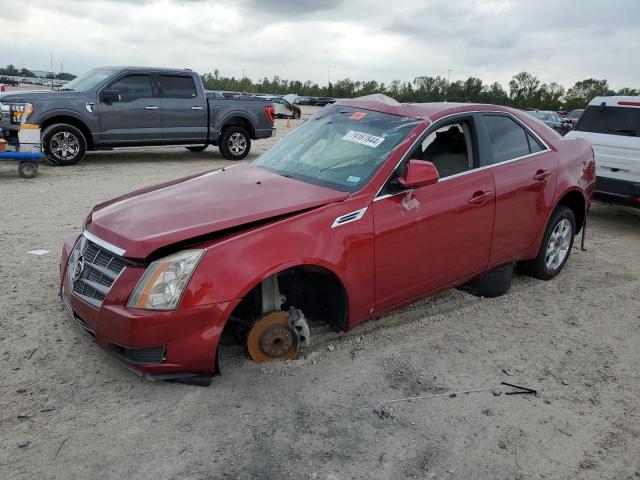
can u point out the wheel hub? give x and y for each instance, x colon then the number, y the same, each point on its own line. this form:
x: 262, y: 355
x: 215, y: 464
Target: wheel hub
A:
x: 272, y: 338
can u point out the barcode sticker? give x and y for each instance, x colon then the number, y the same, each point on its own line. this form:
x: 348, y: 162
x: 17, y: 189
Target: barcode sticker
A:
x: 363, y: 138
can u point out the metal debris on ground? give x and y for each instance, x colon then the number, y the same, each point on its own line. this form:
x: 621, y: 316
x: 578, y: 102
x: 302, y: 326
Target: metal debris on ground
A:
x: 520, y: 390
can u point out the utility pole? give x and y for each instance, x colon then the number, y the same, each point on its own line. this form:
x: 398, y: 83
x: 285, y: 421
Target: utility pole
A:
x: 51, y: 58
x: 449, y: 76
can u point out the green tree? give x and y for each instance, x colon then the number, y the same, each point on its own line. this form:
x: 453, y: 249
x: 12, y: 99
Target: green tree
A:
x: 524, y: 89
x: 584, y: 91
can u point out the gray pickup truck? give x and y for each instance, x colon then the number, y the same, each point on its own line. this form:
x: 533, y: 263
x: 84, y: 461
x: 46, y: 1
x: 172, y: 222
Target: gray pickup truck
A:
x: 110, y: 107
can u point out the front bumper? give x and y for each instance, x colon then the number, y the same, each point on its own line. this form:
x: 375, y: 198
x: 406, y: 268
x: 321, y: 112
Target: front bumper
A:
x: 621, y: 192
x: 155, y: 344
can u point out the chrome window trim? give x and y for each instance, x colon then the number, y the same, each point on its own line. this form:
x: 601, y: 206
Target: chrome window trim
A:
x: 422, y: 136
x: 104, y: 244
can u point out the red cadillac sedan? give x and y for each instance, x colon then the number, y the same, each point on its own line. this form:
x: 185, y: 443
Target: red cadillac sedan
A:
x: 368, y: 206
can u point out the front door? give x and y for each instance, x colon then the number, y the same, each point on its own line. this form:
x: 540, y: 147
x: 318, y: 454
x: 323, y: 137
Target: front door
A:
x: 428, y: 238
x: 134, y: 116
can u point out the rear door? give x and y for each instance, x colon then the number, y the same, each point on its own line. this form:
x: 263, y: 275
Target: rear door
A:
x: 184, y: 110
x: 429, y: 237
x: 134, y: 117
x: 525, y: 170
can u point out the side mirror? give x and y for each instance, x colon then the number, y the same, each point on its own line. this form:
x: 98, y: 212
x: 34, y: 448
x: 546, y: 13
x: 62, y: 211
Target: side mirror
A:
x: 109, y: 96
x: 419, y: 173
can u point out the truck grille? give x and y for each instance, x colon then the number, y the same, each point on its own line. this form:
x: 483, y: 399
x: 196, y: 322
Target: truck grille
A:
x: 98, y: 269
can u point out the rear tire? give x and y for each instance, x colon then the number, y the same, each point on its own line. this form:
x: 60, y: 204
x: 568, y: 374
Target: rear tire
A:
x: 555, y: 248
x: 295, y: 114
x: 197, y: 149
x: 491, y: 284
x: 64, y: 144
x: 234, y: 143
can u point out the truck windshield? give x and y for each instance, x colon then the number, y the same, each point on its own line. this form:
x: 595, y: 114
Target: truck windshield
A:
x: 89, y: 80
x: 340, y: 147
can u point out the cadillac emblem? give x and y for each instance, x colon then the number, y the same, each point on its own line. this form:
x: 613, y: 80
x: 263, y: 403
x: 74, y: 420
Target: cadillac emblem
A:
x: 77, y: 269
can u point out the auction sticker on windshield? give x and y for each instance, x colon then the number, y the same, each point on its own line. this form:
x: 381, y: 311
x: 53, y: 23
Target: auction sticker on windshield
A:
x: 363, y: 138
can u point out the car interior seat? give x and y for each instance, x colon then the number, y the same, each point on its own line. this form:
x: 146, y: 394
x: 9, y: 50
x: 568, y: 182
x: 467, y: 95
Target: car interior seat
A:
x: 448, y: 152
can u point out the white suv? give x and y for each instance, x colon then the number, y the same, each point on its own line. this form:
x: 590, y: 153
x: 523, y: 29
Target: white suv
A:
x: 612, y: 125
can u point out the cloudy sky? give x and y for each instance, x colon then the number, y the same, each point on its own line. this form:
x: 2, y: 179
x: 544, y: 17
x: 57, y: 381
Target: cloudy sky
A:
x: 557, y: 40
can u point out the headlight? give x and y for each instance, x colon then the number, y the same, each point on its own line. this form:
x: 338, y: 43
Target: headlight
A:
x: 19, y: 112
x: 162, y: 285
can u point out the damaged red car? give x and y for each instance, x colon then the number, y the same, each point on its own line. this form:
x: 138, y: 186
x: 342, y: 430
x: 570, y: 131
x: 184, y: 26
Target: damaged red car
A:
x: 368, y: 206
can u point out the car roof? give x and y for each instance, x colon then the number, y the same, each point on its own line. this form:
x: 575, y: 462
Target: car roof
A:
x: 146, y: 69
x: 616, y: 101
x: 429, y: 111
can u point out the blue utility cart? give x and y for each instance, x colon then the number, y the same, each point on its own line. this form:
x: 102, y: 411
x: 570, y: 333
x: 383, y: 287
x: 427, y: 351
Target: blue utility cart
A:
x: 26, y: 152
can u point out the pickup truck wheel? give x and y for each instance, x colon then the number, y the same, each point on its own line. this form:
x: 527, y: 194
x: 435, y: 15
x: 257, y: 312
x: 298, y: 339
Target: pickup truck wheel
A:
x: 555, y: 248
x: 197, y: 149
x: 491, y: 284
x: 234, y: 143
x: 63, y: 144
x: 295, y: 114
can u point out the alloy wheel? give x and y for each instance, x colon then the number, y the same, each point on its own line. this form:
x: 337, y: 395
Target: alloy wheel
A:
x: 64, y: 145
x: 558, y: 246
x: 237, y: 144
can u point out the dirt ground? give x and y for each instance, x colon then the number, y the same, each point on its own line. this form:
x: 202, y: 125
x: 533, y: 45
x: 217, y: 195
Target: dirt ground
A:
x: 69, y: 410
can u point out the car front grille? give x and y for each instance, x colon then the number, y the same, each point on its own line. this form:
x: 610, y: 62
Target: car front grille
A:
x: 92, y: 271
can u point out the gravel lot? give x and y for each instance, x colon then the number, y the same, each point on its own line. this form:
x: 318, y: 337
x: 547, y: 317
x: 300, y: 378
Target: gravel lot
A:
x: 68, y: 410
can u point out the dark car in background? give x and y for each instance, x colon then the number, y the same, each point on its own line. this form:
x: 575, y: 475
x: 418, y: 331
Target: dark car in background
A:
x: 551, y: 119
x: 574, y: 115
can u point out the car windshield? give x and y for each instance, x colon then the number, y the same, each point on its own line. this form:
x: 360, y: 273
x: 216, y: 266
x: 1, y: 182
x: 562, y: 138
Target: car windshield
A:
x: 88, y: 80
x: 340, y: 147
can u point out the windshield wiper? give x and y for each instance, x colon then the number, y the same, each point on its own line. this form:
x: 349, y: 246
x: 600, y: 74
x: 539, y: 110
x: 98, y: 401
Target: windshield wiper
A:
x: 66, y: 89
x: 630, y: 132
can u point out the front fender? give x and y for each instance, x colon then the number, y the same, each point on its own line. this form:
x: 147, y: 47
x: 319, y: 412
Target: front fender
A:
x: 87, y: 119
x: 233, y: 266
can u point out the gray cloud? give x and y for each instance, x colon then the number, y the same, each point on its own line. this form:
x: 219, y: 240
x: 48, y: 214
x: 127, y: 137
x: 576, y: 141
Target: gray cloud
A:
x: 289, y: 8
x: 562, y: 41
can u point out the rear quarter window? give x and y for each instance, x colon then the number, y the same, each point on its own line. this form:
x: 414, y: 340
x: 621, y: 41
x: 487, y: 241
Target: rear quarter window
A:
x: 610, y: 120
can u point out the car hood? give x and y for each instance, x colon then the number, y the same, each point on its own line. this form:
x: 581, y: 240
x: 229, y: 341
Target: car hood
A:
x: 144, y: 221
x: 31, y: 95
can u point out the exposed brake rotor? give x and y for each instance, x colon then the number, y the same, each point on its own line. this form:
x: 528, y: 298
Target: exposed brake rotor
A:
x: 278, y: 335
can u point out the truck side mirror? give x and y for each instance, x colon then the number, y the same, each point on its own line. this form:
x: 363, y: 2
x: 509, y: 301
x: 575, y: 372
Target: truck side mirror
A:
x: 108, y: 96
x: 419, y: 173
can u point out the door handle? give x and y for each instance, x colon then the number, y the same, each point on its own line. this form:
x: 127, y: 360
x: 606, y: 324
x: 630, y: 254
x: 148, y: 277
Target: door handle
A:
x: 480, y: 197
x: 541, y: 175
x: 196, y: 108
x: 151, y: 107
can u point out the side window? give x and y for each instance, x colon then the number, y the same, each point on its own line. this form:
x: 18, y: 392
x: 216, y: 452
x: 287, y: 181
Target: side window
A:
x: 133, y: 87
x: 534, y: 145
x: 177, y: 87
x: 449, y: 148
x: 508, y: 139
